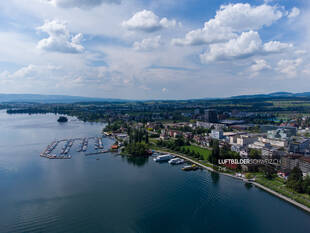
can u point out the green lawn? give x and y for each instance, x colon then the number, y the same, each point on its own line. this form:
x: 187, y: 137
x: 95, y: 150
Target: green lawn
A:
x: 278, y: 185
x: 205, y: 152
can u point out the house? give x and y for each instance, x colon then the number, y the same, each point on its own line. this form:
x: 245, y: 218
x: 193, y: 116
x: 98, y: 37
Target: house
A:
x: 243, y: 153
x: 163, y: 137
x: 174, y: 133
x: 188, y: 135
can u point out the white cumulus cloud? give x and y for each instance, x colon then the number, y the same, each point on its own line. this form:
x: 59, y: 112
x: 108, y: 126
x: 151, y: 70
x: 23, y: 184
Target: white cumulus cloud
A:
x: 289, y: 67
x: 294, y: 13
x: 276, y: 46
x: 80, y: 3
x: 259, y: 65
x: 147, y: 21
x: 246, y: 45
x: 229, y: 20
x: 60, y: 39
x: 148, y: 43
x: 32, y: 71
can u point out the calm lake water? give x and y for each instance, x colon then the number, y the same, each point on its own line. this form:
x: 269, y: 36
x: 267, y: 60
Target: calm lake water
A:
x: 115, y: 194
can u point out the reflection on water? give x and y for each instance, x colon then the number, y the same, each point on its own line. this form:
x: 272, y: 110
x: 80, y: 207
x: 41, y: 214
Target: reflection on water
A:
x: 215, y: 177
x: 248, y: 185
x: 138, y: 161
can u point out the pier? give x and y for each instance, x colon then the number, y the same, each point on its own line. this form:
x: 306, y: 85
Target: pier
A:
x: 50, y: 150
x: 98, y: 152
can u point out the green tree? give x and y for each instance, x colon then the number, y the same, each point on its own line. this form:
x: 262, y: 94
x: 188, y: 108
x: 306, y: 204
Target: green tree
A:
x: 215, y: 154
x: 306, y: 185
x: 268, y: 171
x: 146, y: 137
x: 294, y: 180
x: 255, y: 154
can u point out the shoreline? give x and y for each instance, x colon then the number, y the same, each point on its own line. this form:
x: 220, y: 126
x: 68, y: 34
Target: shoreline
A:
x: 287, y: 199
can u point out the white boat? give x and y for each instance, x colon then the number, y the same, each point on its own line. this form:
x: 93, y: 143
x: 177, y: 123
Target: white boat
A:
x: 163, y: 158
x: 176, y: 161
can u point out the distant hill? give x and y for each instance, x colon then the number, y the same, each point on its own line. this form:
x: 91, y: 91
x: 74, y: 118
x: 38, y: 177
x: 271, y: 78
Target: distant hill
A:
x: 272, y: 95
x: 34, y: 98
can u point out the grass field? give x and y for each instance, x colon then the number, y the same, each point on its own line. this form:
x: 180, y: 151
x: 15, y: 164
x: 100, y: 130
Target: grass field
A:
x: 205, y: 152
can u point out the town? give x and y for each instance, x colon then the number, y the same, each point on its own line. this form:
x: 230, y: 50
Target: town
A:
x: 271, y: 133
x: 212, y: 135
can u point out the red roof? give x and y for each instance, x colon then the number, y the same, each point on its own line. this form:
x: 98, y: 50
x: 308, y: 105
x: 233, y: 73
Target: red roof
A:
x: 231, y: 166
x: 305, y: 159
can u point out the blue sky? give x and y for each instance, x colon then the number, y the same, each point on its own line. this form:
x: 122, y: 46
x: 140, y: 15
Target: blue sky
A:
x: 146, y: 49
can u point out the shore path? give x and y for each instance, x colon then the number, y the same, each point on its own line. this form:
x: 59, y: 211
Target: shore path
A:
x: 301, y: 206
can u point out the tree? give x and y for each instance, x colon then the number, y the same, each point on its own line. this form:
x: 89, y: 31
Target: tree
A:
x: 306, y: 185
x: 255, y: 154
x: 146, y: 137
x: 179, y: 141
x: 215, y: 155
x: 268, y: 171
x: 137, y: 149
x: 294, y: 180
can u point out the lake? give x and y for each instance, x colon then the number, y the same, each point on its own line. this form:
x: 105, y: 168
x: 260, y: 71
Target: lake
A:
x: 120, y: 194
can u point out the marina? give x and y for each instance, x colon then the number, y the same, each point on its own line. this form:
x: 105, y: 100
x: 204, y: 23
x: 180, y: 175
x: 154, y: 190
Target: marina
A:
x: 65, y: 146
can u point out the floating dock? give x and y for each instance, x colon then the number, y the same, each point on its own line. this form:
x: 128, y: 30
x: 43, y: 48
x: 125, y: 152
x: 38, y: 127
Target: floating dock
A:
x: 50, y: 153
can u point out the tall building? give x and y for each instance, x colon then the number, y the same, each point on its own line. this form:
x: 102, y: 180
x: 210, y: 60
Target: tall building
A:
x: 211, y: 115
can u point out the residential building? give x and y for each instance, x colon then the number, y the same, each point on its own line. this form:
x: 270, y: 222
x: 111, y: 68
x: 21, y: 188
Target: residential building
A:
x: 288, y: 162
x: 245, y: 140
x: 300, y: 145
x: 272, y: 153
x: 208, y: 125
x: 217, y: 134
x: 304, y: 165
x: 278, y: 134
x: 274, y: 142
x: 290, y: 131
x: 211, y: 116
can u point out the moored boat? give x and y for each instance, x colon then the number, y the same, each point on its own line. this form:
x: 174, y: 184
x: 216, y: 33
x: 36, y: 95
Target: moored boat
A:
x: 163, y: 158
x: 176, y: 161
x: 190, y: 167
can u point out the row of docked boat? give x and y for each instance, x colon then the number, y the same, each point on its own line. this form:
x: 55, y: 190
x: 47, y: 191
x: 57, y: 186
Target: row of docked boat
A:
x: 50, y: 156
x: 84, y: 145
x: 175, y: 161
x: 98, y: 143
x: 51, y: 147
x: 66, y: 148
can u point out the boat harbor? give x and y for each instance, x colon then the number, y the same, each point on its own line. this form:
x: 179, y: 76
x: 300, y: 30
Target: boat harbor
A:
x: 60, y: 149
